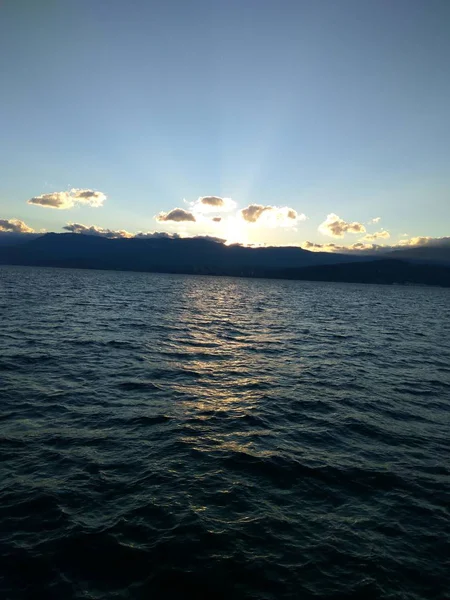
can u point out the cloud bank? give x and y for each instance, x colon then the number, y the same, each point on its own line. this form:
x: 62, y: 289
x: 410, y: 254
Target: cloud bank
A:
x: 358, y: 247
x: 426, y: 241
x: 67, y: 200
x: 414, y: 242
x: 116, y: 233
x: 336, y: 227
x: 97, y: 231
x: 14, y: 226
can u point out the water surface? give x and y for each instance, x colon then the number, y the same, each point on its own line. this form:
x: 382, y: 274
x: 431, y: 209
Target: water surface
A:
x: 197, y: 437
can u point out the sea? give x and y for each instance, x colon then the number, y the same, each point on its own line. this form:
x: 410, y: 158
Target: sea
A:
x: 172, y: 436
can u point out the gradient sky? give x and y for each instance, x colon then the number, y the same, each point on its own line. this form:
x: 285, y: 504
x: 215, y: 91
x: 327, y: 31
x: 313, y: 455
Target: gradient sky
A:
x: 322, y: 106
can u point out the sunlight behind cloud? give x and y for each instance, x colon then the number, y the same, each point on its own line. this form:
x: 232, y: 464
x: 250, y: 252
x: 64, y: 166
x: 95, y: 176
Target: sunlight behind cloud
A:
x: 271, y: 216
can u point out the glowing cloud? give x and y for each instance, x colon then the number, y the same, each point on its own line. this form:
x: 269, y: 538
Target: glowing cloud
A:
x: 178, y: 215
x: 67, y: 200
x: 14, y: 226
x: 336, y: 227
x: 425, y: 241
x: 271, y: 216
x: 378, y: 235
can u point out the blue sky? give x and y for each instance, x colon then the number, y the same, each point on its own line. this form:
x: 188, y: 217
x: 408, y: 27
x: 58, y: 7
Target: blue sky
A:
x: 320, y: 106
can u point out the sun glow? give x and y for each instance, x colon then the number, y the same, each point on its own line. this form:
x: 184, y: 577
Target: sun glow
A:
x: 235, y: 231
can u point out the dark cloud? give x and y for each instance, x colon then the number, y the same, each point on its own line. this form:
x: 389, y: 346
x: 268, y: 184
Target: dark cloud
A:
x: 157, y: 234
x: 216, y: 219
x: 178, y: 215
x: 212, y: 201
x: 211, y: 204
x: 209, y: 238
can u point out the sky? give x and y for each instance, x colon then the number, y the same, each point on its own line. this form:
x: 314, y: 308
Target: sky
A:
x: 319, y: 123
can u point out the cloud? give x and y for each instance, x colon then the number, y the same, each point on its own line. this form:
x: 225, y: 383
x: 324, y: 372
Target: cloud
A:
x: 209, y: 238
x: 157, y: 234
x: 67, y: 200
x: 14, y: 226
x: 361, y: 247
x: 425, y: 241
x: 89, y: 197
x: 253, y: 212
x: 216, y: 219
x: 97, y: 231
x: 207, y: 204
x: 358, y: 247
x: 377, y: 235
x: 178, y: 215
x: 271, y: 216
x: 81, y: 229
x: 336, y: 227
x: 374, y: 221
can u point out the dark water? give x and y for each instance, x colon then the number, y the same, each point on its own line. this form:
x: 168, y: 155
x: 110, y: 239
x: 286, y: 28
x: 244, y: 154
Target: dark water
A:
x: 188, y: 437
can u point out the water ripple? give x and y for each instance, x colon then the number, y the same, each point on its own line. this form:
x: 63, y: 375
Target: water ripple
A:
x: 188, y: 437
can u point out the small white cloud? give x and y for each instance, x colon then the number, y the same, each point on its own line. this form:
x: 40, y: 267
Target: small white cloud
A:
x: 271, y: 216
x: 377, y: 235
x: 374, y: 221
x: 67, y: 200
x: 336, y: 227
x: 178, y: 215
x: 14, y: 226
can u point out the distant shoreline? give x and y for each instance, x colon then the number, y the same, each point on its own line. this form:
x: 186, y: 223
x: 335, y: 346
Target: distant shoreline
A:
x: 378, y: 272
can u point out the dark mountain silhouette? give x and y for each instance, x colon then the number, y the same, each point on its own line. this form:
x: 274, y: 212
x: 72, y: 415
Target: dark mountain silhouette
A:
x: 12, y: 238
x: 206, y: 256
x: 386, y: 271
x: 147, y: 254
x: 429, y: 254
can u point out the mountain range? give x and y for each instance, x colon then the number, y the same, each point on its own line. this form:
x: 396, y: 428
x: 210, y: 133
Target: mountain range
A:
x: 199, y: 255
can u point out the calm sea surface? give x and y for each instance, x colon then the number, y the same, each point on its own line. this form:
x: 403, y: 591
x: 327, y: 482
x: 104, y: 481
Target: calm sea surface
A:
x: 189, y: 437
